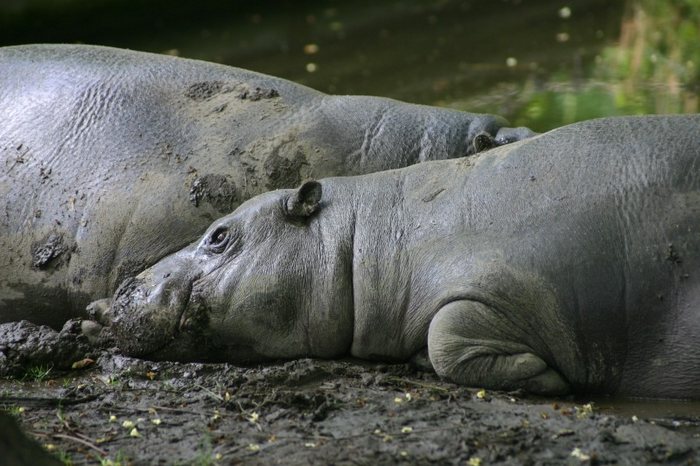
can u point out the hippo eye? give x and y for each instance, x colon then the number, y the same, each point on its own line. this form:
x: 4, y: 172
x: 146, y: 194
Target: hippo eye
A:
x: 218, y: 239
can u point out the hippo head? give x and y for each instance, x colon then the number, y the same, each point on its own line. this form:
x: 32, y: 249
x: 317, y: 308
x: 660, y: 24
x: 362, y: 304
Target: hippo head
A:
x: 269, y: 281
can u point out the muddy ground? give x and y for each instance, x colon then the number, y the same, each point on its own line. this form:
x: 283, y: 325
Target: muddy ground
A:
x: 130, y: 411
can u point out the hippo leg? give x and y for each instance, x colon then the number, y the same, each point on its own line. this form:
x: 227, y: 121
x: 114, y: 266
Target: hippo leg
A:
x: 469, y: 344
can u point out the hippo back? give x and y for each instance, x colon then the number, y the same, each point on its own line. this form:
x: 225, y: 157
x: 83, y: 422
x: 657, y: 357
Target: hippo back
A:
x: 111, y: 159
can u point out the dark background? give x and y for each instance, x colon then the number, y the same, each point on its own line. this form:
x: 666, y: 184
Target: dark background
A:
x: 539, y: 63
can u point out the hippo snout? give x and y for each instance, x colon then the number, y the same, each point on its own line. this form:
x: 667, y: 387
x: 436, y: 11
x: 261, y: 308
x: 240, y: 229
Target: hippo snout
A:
x: 148, y: 311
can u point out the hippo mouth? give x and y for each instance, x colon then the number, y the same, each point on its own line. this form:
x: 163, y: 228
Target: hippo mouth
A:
x: 194, y: 314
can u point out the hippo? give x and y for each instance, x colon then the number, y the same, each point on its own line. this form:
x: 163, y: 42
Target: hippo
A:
x: 17, y: 449
x: 111, y: 160
x: 564, y: 263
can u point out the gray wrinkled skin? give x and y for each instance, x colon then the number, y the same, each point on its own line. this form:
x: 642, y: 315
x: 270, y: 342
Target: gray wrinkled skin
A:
x: 112, y: 159
x: 566, y: 262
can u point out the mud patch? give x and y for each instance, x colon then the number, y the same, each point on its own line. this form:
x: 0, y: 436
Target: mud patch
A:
x: 258, y: 93
x: 218, y: 190
x: 23, y: 345
x: 672, y: 255
x: 136, y: 330
x: 204, y: 90
x: 48, y: 251
x: 283, y: 172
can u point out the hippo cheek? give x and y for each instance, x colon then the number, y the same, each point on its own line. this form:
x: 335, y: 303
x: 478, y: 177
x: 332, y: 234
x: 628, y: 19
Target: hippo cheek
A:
x: 145, y: 317
x: 240, y: 329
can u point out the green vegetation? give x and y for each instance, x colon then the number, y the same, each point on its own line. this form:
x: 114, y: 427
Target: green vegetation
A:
x: 204, y: 454
x: 654, y: 67
x: 37, y: 373
x: 659, y: 49
x: 15, y: 411
x: 64, y: 457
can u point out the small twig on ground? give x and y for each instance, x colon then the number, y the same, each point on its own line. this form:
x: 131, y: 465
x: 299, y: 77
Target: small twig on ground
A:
x: 176, y: 410
x: 80, y: 440
x: 114, y: 408
x: 84, y: 437
x: 63, y: 420
x: 363, y: 434
x: 210, y: 393
x: 231, y: 450
x: 418, y: 384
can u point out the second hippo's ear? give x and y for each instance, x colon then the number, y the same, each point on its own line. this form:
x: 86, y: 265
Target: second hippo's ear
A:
x: 305, y: 200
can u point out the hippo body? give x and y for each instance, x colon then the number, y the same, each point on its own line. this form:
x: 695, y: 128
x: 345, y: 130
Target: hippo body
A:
x: 111, y: 159
x: 565, y: 262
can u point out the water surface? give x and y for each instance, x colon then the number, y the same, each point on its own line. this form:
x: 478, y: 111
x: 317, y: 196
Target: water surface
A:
x: 537, y: 62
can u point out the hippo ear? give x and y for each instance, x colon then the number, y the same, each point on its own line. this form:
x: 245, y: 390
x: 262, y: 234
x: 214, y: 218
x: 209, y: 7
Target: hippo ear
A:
x: 305, y: 200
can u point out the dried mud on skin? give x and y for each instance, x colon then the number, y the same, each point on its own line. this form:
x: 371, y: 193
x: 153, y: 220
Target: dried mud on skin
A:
x: 321, y: 412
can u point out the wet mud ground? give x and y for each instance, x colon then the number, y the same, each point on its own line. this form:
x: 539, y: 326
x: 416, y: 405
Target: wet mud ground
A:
x: 129, y: 411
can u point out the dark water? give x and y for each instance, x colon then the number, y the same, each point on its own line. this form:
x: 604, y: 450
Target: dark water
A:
x: 677, y: 415
x: 537, y: 62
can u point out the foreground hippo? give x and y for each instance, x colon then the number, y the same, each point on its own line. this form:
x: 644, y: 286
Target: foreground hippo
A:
x: 16, y: 449
x: 112, y: 159
x: 567, y: 262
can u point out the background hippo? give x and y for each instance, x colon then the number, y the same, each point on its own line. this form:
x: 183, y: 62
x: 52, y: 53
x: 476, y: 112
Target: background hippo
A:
x: 112, y: 159
x: 569, y: 261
